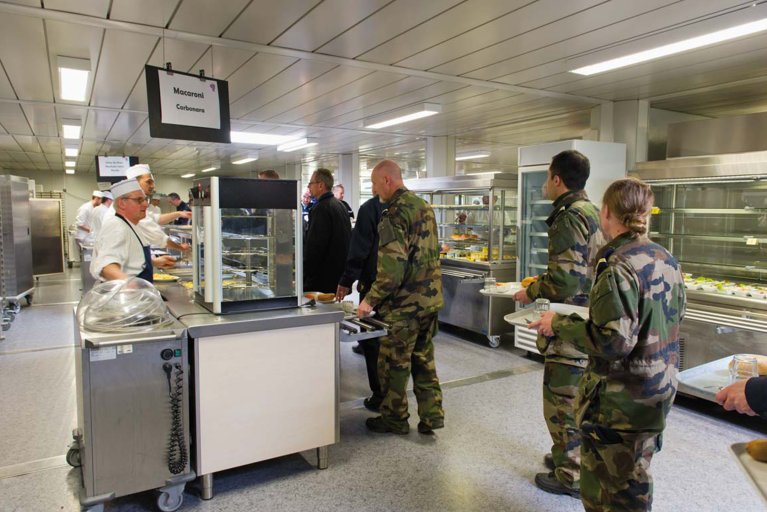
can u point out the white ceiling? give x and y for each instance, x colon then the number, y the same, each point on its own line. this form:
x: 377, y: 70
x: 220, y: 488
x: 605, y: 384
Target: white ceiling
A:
x: 317, y: 68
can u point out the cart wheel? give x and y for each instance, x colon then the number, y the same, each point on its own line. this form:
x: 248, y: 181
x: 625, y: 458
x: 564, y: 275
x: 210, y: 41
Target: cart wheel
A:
x: 494, y: 341
x: 73, y: 458
x: 168, y: 502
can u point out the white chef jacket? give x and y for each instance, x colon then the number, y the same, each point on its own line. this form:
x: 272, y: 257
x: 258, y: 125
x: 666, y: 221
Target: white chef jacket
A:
x: 116, y: 243
x: 148, y: 227
x: 97, y: 219
x: 83, y: 218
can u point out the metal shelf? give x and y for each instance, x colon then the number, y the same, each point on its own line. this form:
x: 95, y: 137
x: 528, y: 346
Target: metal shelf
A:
x: 718, y: 211
x: 712, y: 238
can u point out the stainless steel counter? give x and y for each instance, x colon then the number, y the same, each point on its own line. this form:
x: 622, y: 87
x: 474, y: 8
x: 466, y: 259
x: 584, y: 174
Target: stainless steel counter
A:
x: 202, y: 323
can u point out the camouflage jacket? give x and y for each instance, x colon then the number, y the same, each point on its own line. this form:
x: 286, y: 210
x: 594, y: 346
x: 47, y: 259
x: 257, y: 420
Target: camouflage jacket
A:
x: 408, y: 280
x: 632, y: 336
x: 574, y: 239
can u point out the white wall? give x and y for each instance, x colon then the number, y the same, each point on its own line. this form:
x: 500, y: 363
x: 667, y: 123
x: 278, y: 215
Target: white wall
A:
x: 77, y: 188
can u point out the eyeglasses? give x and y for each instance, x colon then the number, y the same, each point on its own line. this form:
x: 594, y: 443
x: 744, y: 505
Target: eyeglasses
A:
x: 139, y: 200
x: 314, y: 183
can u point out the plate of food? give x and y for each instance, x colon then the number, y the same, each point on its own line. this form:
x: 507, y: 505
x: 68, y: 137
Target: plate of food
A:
x: 164, y: 278
x: 322, y: 298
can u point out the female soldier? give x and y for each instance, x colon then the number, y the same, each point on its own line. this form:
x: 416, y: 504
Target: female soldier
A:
x: 632, y: 340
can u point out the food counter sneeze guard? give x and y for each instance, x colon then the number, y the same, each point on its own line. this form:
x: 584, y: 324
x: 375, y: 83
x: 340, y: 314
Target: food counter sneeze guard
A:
x: 247, y: 246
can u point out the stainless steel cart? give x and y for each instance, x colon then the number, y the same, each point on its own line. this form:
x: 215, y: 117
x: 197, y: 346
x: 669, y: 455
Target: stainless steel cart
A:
x: 133, y: 419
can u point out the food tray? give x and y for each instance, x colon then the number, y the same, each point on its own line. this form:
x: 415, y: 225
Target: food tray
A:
x: 527, y: 315
x: 511, y: 289
x: 706, y: 380
x: 756, y: 471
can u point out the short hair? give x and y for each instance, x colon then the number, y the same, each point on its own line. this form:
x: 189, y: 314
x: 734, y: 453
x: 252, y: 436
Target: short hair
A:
x: 173, y: 195
x: 630, y: 201
x: 325, y: 177
x: 572, y: 167
x: 269, y: 174
x: 340, y: 185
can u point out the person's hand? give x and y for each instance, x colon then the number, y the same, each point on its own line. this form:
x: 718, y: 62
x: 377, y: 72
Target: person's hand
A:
x: 184, y: 247
x: 364, y: 310
x: 341, y: 292
x: 543, y: 325
x: 184, y: 215
x: 733, y: 398
x: 164, y: 261
x: 521, y: 296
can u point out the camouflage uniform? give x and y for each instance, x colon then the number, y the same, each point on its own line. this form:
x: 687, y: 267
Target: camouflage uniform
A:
x: 632, y: 339
x: 407, y: 293
x: 574, y: 239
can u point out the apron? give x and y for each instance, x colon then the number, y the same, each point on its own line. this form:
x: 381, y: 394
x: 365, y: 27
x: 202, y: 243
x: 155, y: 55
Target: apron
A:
x: 148, y: 273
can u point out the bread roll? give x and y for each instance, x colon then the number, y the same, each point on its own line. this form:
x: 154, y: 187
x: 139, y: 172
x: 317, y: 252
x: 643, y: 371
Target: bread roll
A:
x: 528, y: 281
x: 326, y: 296
x: 761, y: 363
x: 758, y: 449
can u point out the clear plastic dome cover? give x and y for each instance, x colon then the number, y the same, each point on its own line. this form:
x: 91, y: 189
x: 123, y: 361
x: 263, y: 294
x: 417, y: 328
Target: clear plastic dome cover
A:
x: 131, y: 305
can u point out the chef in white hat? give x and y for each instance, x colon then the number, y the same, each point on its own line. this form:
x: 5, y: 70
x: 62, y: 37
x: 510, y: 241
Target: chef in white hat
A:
x: 97, y: 217
x: 83, y: 218
x: 120, y: 251
x: 150, y: 225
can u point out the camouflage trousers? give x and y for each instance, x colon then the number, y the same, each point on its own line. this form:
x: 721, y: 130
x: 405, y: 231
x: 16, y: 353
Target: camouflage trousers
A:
x: 408, y: 350
x: 560, y: 387
x: 615, y: 470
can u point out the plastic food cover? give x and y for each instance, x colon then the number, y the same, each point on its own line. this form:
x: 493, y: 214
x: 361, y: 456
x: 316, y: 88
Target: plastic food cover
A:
x: 131, y: 305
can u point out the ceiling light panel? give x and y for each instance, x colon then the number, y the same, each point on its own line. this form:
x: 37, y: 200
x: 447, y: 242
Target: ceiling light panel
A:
x: 190, y: 175
x: 71, y: 152
x: 404, y: 115
x: 471, y: 156
x: 71, y: 128
x: 260, y: 139
x: 74, y: 77
x: 297, y: 144
x: 245, y: 160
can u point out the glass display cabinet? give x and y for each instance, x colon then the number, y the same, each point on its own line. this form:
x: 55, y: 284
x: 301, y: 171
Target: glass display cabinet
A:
x: 711, y: 214
x: 246, y: 244
x: 476, y: 219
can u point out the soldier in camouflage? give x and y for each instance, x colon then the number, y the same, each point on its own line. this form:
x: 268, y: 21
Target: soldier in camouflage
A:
x: 574, y: 239
x: 407, y: 294
x: 632, y: 340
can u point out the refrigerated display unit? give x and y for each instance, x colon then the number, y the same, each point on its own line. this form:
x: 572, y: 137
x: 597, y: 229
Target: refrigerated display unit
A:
x: 246, y: 244
x: 47, y: 236
x: 711, y: 214
x: 476, y: 221
x: 608, y: 163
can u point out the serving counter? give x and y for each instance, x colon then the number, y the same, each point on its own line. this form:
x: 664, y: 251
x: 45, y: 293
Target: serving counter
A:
x: 264, y: 384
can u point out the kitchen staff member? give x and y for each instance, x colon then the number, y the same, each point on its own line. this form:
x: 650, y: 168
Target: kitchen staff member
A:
x: 120, y: 252
x: 632, y: 340
x: 83, y: 218
x: 97, y: 217
x: 149, y: 226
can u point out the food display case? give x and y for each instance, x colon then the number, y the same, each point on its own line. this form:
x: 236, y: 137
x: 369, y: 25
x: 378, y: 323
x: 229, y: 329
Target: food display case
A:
x: 608, y: 163
x: 476, y: 221
x: 246, y: 244
x: 711, y: 214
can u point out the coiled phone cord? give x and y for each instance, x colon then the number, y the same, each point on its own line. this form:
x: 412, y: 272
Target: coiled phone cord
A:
x: 177, y: 453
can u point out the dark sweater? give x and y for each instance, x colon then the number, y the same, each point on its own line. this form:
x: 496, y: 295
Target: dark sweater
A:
x: 363, y: 250
x: 756, y: 395
x: 326, y: 244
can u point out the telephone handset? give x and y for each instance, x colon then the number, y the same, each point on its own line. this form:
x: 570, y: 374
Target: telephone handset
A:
x: 177, y: 454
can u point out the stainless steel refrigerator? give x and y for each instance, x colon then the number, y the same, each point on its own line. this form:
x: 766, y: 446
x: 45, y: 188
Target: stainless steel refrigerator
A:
x: 16, y: 238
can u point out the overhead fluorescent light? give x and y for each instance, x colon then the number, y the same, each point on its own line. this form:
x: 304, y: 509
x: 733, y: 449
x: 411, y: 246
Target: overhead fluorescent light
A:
x: 297, y: 144
x: 74, y: 75
x: 472, y: 156
x: 261, y: 139
x: 245, y: 160
x: 69, y: 171
x: 70, y: 163
x: 70, y: 151
x: 403, y: 115
x: 190, y: 175
x: 674, y: 48
x: 71, y: 128
x: 207, y: 170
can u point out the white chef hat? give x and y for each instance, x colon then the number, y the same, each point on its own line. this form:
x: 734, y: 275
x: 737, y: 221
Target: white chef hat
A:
x: 106, y: 195
x: 124, y: 187
x: 138, y: 170
x: 97, y: 193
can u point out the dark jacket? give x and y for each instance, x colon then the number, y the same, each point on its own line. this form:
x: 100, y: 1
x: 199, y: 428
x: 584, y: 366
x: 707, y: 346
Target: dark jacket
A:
x: 348, y: 209
x: 326, y: 244
x: 756, y: 395
x: 363, y: 251
x: 182, y: 207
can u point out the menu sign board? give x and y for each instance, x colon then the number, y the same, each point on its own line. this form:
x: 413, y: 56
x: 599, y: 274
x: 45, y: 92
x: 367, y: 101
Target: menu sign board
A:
x: 187, y: 107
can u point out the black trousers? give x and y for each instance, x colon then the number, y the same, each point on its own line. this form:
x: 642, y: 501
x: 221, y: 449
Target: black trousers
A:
x: 370, y: 351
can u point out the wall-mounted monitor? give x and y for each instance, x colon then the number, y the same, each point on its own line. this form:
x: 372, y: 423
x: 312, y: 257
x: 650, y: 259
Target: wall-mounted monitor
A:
x: 113, y: 168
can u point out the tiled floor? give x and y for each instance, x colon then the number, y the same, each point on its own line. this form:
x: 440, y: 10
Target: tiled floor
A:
x: 485, y: 459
